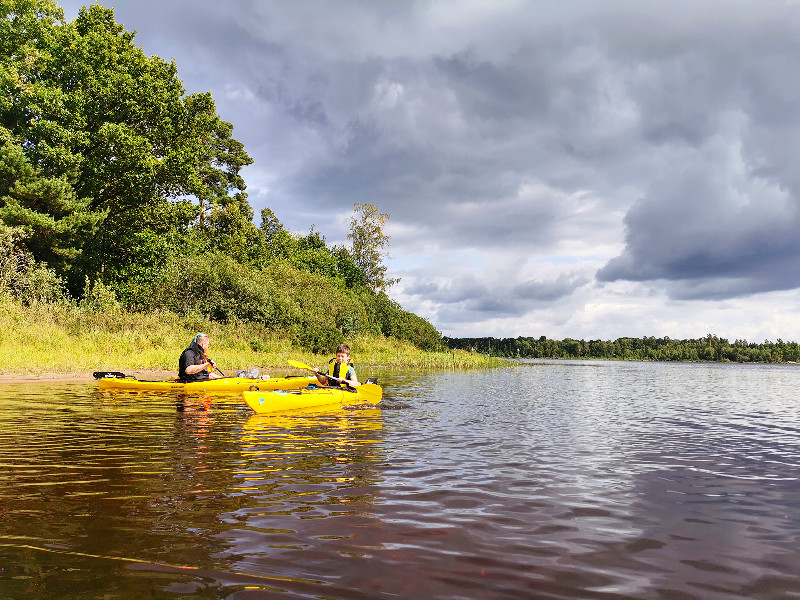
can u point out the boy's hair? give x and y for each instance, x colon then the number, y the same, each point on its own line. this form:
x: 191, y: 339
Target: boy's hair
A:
x: 343, y: 348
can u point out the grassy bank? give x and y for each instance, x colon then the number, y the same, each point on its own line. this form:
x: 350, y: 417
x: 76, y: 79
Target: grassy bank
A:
x: 67, y: 339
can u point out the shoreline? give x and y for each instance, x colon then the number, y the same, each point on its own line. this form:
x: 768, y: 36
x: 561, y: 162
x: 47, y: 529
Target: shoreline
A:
x: 77, y: 376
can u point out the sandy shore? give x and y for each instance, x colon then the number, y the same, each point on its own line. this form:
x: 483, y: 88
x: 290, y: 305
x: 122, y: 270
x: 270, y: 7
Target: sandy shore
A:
x: 79, y: 377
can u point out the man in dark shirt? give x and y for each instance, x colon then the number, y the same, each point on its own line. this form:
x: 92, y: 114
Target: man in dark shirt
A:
x: 193, y: 364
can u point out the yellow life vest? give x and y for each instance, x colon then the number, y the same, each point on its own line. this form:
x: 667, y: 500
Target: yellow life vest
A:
x: 335, y: 371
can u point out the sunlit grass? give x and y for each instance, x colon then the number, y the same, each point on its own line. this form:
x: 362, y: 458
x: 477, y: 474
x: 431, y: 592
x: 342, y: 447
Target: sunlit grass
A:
x: 67, y: 339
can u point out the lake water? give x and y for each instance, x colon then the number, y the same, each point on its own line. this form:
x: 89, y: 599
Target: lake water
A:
x: 541, y: 480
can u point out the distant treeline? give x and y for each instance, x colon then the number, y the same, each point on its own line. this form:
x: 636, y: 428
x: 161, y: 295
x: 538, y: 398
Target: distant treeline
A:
x: 709, y: 348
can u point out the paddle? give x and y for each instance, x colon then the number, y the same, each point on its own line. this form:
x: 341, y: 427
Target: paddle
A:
x: 371, y: 392
x: 215, y: 366
x: 208, y: 360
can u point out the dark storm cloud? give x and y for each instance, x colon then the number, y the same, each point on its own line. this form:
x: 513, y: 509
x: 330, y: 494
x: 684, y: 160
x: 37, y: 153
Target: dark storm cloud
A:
x: 480, y: 299
x: 726, y: 252
x: 720, y: 221
x: 456, y: 166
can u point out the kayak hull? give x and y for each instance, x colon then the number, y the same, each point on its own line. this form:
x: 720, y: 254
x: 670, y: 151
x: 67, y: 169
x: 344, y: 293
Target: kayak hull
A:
x: 265, y: 401
x: 232, y: 385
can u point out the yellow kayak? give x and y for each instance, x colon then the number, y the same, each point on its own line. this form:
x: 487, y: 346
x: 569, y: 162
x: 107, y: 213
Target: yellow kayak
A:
x: 233, y: 385
x: 269, y: 401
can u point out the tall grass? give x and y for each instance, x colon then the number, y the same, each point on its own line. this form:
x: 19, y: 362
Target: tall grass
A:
x: 66, y: 338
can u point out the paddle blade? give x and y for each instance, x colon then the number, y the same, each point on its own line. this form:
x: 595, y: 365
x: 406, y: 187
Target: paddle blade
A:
x: 299, y: 365
x: 370, y: 392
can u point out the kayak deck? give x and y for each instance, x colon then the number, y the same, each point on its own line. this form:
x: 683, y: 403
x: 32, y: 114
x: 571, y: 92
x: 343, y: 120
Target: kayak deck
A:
x: 225, y: 384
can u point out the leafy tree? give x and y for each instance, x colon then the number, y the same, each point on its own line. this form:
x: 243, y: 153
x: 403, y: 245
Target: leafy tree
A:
x: 309, y: 252
x: 217, y: 156
x: 87, y: 105
x: 26, y: 30
x: 231, y: 231
x: 347, y: 270
x: 270, y: 225
x: 280, y: 244
x: 369, y: 244
x: 49, y: 220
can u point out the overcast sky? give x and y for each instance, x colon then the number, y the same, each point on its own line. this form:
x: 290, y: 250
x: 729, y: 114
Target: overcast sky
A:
x: 568, y: 168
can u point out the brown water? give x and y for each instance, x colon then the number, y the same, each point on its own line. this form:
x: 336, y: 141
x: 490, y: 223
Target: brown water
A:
x: 554, y: 480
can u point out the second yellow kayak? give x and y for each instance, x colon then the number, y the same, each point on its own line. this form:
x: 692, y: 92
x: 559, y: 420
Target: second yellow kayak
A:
x: 266, y: 401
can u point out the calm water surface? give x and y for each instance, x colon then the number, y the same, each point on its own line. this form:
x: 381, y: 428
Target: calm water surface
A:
x: 547, y: 480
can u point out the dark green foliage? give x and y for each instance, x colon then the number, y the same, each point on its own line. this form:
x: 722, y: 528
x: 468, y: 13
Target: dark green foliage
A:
x: 230, y: 230
x: 218, y: 287
x: 51, y: 223
x: 312, y: 309
x: 109, y: 141
x: 22, y: 277
x: 710, y: 348
x: 308, y: 252
x: 347, y: 270
x: 320, y: 338
x: 391, y: 320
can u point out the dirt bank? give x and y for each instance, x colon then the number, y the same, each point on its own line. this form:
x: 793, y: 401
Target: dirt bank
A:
x: 77, y: 377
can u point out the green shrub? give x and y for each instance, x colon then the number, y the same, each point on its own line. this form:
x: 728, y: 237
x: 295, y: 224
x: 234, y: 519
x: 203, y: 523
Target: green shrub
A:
x: 99, y: 298
x: 24, y: 279
x: 320, y: 338
x: 312, y: 310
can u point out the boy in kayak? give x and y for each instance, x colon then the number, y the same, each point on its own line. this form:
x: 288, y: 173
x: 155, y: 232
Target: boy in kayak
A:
x: 193, y: 364
x: 339, y: 367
